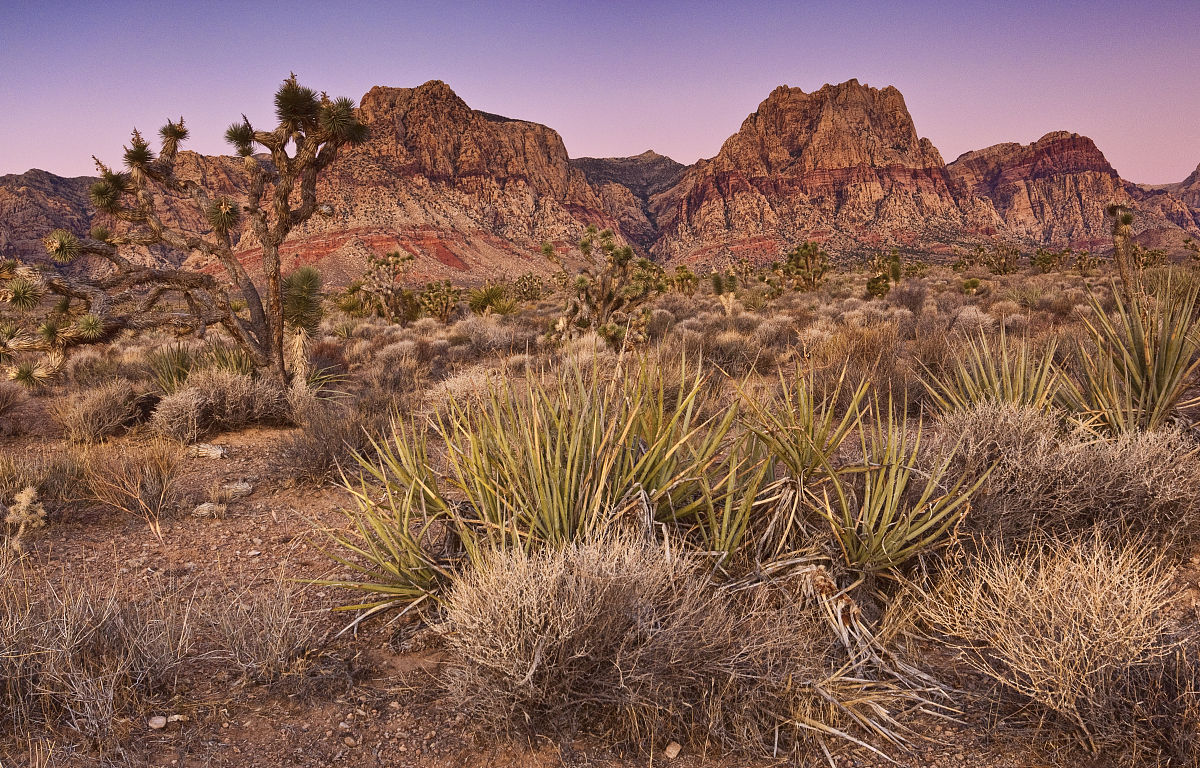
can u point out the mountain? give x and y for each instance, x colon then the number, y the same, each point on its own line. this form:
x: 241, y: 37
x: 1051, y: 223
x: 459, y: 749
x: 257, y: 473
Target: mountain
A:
x: 473, y: 195
x: 626, y: 185
x: 845, y: 165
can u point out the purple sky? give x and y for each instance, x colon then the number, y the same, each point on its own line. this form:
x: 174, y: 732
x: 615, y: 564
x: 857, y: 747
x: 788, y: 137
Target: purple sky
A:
x: 613, y: 78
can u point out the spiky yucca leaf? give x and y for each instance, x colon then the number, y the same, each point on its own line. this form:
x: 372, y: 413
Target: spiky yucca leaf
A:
x: 56, y: 333
x: 106, y: 193
x: 22, y: 292
x: 62, y: 246
x: 172, y: 134
x: 8, y: 269
x: 874, y: 518
x: 33, y: 374
x: 171, y: 365
x: 802, y: 430
x: 1007, y: 372
x: 339, y: 122
x: 1145, y: 359
x: 62, y: 306
x: 302, y: 299
x: 483, y: 300
x: 223, y: 215
x: 101, y: 233
x: 89, y: 327
x: 138, y: 154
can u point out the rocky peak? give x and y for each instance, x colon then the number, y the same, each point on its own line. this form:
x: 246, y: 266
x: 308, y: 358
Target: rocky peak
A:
x: 644, y: 175
x: 838, y: 126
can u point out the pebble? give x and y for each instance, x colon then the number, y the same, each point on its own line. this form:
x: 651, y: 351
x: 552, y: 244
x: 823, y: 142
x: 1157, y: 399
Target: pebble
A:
x: 158, y: 722
x: 672, y: 750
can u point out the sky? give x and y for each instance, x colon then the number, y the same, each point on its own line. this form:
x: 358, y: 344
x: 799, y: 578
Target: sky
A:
x: 613, y: 78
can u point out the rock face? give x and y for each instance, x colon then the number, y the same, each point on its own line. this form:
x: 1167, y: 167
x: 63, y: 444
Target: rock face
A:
x: 626, y: 185
x: 474, y: 195
x: 35, y: 202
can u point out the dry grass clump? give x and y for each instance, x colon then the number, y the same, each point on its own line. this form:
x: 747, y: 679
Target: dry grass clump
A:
x: 265, y: 632
x: 621, y: 637
x: 94, y: 415
x: 56, y: 475
x: 1064, y: 626
x: 1051, y: 480
x: 140, y: 480
x: 86, y: 661
x: 219, y: 401
x: 12, y: 398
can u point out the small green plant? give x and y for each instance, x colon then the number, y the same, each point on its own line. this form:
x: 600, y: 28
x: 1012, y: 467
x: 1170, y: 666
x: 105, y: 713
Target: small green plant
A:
x: 1086, y: 263
x: 879, y: 286
x: 725, y: 289
x: 971, y: 286
x: 302, y: 300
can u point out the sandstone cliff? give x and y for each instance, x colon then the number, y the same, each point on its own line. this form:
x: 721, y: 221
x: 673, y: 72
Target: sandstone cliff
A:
x: 843, y: 165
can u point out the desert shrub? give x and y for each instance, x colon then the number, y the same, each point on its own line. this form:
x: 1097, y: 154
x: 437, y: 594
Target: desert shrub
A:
x: 139, y: 480
x: 910, y: 294
x: 219, y: 401
x: 265, y: 631
x: 81, y: 659
x: 106, y: 411
x: 329, y: 435
x: 622, y: 638
x: 1047, y: 479
x: 1062, y: 626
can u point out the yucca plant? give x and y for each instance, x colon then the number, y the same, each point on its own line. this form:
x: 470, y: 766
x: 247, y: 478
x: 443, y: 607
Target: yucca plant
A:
x: 876, y: 522
x: 802, y: 430
x: 225, y: 357
x: 171, y: 365
x: 1141, y: 362
x: 1001, y: 373
x: 487, y: 299
x: 540, y: 464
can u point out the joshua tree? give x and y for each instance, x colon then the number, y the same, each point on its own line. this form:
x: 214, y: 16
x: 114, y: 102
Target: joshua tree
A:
x: 1122, y: 240
x: 281, y: 194
x: 608, y: 296
x: 806, y: 266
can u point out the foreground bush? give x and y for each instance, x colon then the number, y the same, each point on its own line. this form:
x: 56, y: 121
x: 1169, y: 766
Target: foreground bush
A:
x: 620, y: 637
x: 1067, y: 627
x: 105, y: 411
